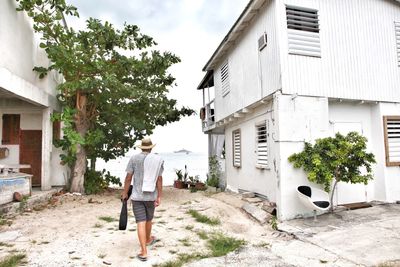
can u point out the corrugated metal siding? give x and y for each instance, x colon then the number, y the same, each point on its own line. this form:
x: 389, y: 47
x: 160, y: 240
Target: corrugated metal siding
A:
x: 358, y: 51
x: 253, y: 74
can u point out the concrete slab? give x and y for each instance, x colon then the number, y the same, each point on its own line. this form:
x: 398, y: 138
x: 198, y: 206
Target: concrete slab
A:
x: 257, y: 213
x: 366, y: 236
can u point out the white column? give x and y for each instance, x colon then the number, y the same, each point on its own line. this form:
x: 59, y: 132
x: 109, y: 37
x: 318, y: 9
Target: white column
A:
x: 47, y: 137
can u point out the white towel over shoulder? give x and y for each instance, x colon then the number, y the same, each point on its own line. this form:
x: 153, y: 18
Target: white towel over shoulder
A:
x: 152, y: 165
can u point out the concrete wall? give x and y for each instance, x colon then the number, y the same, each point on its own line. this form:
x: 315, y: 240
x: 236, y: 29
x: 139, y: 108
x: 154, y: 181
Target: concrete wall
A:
x: 252, y: 74
x: 358, y: 51
x: 248, y: 176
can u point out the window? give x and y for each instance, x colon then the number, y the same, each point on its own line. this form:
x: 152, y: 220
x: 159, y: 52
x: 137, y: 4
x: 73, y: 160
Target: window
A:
x: 11, y: 127
x: 225, y: 78
x: 262, y: 145
x: 397, y: 32
x: 303, y: 31
x: 391, y: 126
x: 237, y: 148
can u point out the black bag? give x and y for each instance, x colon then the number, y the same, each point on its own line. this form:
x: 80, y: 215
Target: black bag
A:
x: 123, y: 217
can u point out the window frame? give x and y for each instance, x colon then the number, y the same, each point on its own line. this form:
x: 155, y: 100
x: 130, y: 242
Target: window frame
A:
x: 265, y: 124
x: 237, y: 131
x: 8, y: 132
x: 386, y: 119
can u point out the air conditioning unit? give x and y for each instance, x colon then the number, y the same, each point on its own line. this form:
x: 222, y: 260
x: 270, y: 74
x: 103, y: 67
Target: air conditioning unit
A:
x: 262, y: 41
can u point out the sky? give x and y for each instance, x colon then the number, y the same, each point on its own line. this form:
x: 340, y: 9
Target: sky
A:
x: 191, y: 29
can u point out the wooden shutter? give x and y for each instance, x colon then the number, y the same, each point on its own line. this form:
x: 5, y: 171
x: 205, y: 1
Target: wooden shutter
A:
x: 391, y: 126
x: 262, y: 145
x: 237, y: 148
x: 225, y: 78
x: 303, y: 31
x: 397, y: 32
x: 11, y: 128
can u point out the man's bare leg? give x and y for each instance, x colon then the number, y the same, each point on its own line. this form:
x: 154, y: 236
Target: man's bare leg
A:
x: 149, y: 224
x: 141, y: 230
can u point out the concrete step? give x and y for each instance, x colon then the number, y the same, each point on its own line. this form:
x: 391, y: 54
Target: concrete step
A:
x: 257, y: 213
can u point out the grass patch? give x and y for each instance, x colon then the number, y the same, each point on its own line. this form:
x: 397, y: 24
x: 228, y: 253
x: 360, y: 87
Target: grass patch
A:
x: 189, y: 227
x: 76, y: 258
x: 179, y: 219
x: 161, y: 210
x: 220, y: 245
x: 263, y: 245
x: 182, y: 259
x: 2, y: 244
x: 162, y: 222
x: 202, y: 234
x: 172, y: 251
x: 203, y: 219
x: 12, y: 261
x: 44, y: 243
x: 101, y: 256
x: 97, y: 225
x: 185, y: 242
x: 107, y: 219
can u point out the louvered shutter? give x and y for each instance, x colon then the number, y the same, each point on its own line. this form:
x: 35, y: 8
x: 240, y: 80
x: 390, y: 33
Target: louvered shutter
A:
x: 262, y: 145
x: 225, y: 78
x: 392, y: 140
x: 237, y: 148
x: 303, y: 31
x: 11, y: 126
x: 397, y: 32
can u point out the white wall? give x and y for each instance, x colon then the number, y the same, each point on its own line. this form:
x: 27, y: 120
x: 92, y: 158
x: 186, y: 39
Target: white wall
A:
x: 358, y: 47
x: 252, y: 74
x: 19, y: 54
x: 248, y: 177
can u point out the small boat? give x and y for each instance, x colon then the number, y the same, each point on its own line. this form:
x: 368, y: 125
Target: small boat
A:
x: 183, y: 151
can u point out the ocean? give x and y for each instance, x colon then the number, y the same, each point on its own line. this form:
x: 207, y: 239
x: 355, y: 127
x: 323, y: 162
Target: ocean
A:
x: 197, y: 164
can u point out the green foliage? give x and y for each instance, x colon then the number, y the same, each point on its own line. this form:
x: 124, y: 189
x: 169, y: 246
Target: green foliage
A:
x: 97, y: 181
x: 214, y: 173
x: 203, y: 218
x: 179, y: 175
x: 115, y: 85
x: 339, y: 158
x: 13, y: 260
x: 274, y: 223
x: 220, y: 245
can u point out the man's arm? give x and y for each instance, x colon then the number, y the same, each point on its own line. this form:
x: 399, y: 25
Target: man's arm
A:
x: 128, y: 180
x: 159, y: 190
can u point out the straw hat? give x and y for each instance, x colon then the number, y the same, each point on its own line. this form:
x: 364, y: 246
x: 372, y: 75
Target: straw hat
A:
x: 146, y: 143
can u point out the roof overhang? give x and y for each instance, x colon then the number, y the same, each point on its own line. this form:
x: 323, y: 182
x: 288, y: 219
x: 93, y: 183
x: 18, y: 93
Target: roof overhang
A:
x: 208, y: 80
x: 235, y: 32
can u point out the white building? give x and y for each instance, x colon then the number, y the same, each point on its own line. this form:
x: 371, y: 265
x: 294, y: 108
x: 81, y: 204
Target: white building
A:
x: 291, y: 71
x: 26, y: 102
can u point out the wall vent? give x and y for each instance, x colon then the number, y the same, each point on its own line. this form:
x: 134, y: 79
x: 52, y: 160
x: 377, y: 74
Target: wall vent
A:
x: 225, y: 78
x: 237, y: 148
x: 392, y: 140
x: 397, y: 32
x: 303, y: 31
x: 262, y: 41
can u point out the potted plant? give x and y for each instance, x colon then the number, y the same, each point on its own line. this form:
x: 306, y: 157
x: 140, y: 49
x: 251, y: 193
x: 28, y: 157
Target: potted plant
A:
x: 186, y: 183
x: 199, y: 185
x: 178, y: 183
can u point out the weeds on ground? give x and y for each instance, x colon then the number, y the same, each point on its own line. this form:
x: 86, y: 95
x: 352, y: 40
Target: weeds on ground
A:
x: 107, y: 219
x: 97, y: 225
x: 189, y: 227
x: 203, y: 219
x: 274, y: 223
x: 263, y: 245
x: 2, y: 244
x: 185, y: 242
x: 220, y: 244
x: 102, y: 256
x: 23, y: 203
x: 13, y: 260
x: 202, y: 234
x: 3, y: 221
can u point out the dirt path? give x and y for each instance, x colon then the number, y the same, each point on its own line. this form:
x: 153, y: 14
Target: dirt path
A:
x: 71, y: 233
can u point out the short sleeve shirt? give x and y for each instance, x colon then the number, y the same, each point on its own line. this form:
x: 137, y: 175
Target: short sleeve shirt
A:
x: 136, y: 167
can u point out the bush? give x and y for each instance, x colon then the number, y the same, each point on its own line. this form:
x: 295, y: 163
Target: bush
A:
x: 215, y: 172
x: 97, y: 181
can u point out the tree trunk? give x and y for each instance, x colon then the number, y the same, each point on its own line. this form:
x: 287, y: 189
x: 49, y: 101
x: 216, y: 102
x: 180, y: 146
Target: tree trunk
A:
x: 93, y: 164
x: 333, y: 192
x: 82, y: 127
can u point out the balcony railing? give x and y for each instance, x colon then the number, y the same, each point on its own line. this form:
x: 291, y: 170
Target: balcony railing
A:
x: 208, y: 115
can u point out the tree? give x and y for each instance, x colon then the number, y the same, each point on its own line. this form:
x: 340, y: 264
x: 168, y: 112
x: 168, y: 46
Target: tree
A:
x: 340, y: 158
x: 114, y: 88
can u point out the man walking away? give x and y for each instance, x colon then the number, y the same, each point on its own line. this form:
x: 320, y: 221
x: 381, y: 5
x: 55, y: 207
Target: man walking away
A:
x: 146, y: 169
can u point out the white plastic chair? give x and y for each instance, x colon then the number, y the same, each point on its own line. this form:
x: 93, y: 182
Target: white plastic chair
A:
x: 314, y: 198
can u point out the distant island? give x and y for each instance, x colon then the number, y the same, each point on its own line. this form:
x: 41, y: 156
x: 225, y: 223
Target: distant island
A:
x: 183, y: 151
